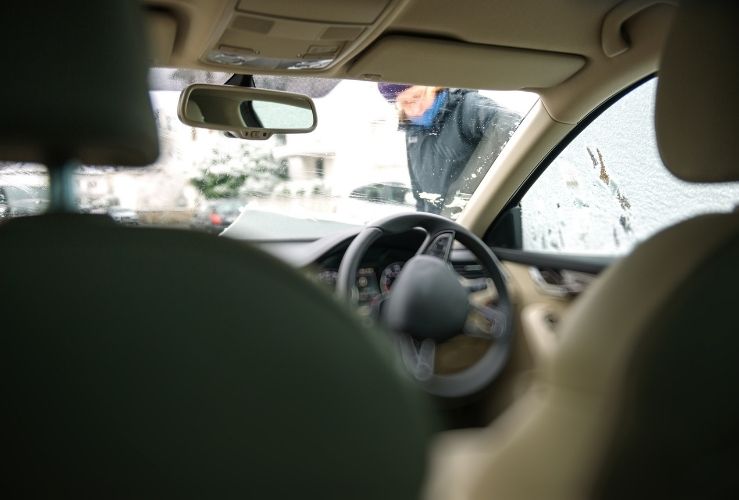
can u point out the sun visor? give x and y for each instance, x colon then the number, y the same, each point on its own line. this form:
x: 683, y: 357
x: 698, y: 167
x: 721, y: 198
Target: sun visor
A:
x: 75, y: 84
x: 463, y: 65
x: 162, y: 29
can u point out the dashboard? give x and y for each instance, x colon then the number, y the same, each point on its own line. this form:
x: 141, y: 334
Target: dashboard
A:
x: 536, y: 315
x: 319, y: 260
x: 382, y: 264
x: 375, y: 276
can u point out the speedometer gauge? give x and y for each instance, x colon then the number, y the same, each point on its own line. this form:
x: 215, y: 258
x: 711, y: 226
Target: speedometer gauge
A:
x: 388, y: 276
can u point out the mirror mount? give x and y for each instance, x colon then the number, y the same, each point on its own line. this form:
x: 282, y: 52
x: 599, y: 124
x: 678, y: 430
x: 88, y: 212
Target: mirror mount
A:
x: 245, y: 112
x: 252, y: 135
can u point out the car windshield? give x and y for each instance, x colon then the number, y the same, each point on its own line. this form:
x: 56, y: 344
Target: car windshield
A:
x: 378, y: 149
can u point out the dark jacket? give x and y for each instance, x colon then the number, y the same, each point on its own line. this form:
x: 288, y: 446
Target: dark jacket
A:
x: 438, y: 154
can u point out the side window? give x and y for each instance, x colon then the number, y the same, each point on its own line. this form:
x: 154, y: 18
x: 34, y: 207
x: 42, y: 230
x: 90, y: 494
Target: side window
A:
x: 24, y: 190
x: 608, y: 189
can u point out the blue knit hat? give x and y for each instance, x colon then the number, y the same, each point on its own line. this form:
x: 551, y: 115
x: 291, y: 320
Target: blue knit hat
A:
x: 390, y: 91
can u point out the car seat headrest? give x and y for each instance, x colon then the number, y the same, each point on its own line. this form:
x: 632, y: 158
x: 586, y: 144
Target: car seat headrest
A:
x: 697, y: 102
x: 75, y: 84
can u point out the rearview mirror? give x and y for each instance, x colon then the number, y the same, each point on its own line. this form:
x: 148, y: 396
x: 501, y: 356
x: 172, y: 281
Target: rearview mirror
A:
x: 247, y: 112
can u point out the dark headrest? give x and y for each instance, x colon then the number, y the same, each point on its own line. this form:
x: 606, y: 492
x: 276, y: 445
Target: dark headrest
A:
x: 697, y: 98
x: 74, y: 83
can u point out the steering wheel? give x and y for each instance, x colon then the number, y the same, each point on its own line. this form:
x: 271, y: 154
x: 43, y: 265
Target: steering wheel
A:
x: 428, y: 304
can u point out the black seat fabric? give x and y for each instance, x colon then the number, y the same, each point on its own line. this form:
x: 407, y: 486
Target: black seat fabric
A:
x: 143, y: 363
x: 153, y: 363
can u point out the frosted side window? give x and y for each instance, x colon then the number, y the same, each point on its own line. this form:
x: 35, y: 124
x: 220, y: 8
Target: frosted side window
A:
x: 608, y: 189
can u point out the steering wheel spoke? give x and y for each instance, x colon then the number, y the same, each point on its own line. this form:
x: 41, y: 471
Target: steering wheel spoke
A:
x: 419, y: 357
x: 486, y: 322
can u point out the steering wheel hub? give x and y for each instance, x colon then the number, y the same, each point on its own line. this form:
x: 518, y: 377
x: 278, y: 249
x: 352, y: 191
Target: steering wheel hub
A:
x: 427, y: 301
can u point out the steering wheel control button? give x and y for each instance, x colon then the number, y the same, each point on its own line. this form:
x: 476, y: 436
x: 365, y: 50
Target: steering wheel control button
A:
x: 428, y: 301
x: 441, y: 246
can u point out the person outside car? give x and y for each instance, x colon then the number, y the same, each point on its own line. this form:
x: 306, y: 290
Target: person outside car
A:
x: 442, y: 128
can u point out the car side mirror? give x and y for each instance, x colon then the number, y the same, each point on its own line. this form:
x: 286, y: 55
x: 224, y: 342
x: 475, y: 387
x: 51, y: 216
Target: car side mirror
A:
x: 246, y: 112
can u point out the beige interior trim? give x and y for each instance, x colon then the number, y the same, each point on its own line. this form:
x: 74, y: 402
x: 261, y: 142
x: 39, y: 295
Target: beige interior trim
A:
x: 293, y: 36
x: 535, y: 308
x: 525, y: 291
x: 356, y: 11
x: 558, y: 431
x: 604, y: 76
x: 612, y: 35
x: 195, y: 22
x: 392, y: 10
x: 541, y: 336
x: 162, y: 29
x: 538, y: 134
x: 561, y: 108
x: 457, y: 64
x: 696, y: 102
x: 564, y: 30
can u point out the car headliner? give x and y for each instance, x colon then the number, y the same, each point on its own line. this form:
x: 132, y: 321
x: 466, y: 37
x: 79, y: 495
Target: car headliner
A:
x: 558, y: 48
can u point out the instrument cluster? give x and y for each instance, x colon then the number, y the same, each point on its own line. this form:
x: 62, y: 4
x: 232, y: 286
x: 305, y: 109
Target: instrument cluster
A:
x: 371, y: 282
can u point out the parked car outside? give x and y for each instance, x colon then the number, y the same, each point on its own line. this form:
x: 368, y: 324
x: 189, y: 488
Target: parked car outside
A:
x: 124, y: 215
x: 23, y: 200
x: 394, y: 193
x: 216, y: 215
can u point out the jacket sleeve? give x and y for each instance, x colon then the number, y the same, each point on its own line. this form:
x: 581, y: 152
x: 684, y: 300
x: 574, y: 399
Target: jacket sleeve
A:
x: 480, y: 112
x: 415, y: 188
